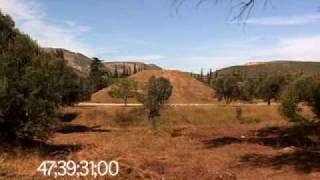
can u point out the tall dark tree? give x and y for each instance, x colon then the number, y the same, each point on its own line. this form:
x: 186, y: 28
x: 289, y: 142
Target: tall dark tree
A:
x: 135, y: 68
x: 201, y: 74
x: 116, y: 73
x: 98, y: 75
x: 124, y: 70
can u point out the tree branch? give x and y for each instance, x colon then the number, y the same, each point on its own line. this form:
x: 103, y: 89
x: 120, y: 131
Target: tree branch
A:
x: 244, y: 7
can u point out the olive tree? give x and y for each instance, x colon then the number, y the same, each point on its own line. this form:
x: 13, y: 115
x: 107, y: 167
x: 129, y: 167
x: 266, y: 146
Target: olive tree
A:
x: 157, y: 92
x: 305, y: 89
x: 125, y: 88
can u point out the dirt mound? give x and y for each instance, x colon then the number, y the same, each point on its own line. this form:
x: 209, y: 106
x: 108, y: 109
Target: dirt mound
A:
x: 185, y: 88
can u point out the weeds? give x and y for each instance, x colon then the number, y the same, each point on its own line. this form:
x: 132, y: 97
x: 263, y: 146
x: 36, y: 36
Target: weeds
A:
x: 131, y: 117
x: 239, y: 113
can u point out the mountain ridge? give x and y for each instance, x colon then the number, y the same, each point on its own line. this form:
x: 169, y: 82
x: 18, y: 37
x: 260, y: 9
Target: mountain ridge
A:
x: 81, y: 63
x: 254, y: 69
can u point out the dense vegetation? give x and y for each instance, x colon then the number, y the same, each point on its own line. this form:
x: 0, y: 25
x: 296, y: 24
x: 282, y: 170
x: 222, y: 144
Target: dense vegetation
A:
x: 33, y: 85
x: 292, y: 68
x: 289, y: 87
x: 234, y: 87
x: 304, y: 89
x: 98, y: 75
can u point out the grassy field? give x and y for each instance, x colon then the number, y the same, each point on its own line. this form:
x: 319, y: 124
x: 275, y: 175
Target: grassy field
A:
x: 188, y: 143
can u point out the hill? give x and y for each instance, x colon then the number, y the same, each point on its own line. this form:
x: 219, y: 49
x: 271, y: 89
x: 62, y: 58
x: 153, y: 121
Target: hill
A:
x: 81, y: 63
x: 185, y: 88
x: 272, y: 67
x: 129, y: 66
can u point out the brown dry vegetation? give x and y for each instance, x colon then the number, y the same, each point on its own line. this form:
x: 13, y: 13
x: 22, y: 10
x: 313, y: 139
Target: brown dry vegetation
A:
x: 190, y: 143
x: 185, y: 88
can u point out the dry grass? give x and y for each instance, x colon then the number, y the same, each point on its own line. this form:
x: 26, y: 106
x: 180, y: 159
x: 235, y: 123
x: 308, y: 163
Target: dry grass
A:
x: 202, y: 143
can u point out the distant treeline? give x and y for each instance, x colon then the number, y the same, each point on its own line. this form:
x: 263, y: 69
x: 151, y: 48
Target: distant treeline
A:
x: 289, y: 89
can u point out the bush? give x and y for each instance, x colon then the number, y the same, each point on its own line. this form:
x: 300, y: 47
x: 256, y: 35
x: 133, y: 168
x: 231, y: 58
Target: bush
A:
x: 239, y: 113
x: 305, y: 89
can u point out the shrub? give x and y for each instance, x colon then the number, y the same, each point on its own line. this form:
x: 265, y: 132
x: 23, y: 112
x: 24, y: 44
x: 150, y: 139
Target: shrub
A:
x: 289, y: 104
x: 239, y: 113
x: 305, y: 89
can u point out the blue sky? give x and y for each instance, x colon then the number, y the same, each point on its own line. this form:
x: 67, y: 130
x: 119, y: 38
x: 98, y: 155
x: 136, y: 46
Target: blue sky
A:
x: 151, y: 31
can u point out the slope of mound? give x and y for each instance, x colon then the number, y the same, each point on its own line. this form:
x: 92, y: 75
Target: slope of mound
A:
x: 185, y: 88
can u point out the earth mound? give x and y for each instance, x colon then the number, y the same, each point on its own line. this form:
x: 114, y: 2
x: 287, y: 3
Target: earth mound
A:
x: 185, y: 88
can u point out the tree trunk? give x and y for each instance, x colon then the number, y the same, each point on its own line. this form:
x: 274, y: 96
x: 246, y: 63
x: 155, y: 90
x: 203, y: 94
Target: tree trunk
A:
x: 125, y: 101
x: 269, y: 102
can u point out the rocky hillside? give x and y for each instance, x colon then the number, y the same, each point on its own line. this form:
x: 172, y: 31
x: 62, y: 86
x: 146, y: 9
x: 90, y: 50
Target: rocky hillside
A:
x: 81, y: 63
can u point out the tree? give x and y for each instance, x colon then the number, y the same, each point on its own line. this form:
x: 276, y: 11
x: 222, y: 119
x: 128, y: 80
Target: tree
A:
x: 98, y: 75
x: 246, y: 90
x: 165, y: 89
x: 125, y: 88
x: 243, y: 7
x: 135, y: 68
x: 305, y: 89
x: 158, y: 91
x: 201, y: 74
x: 271, y: 87
x: 73, y: 87
x: 124, y: 70
x: 33, y: 86
x: 226, y: 88
x: 116, y: 73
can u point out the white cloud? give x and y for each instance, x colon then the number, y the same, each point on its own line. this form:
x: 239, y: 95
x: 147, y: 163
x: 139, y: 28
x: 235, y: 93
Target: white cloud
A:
x: 285, y: 20
x: 32, y: 19
x: 303, y: 48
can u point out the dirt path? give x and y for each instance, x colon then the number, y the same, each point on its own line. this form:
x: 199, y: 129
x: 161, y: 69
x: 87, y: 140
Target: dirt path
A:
x: 89, y: 104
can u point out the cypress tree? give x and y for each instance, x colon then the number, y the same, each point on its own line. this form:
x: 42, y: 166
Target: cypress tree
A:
x: 134, y: 68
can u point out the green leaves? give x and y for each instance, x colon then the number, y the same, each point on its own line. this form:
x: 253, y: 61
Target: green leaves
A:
x: 305, y: 89
x: 33, y: 85
x: 158, y: 90
x: 124, y: 88
x: 98, y: 75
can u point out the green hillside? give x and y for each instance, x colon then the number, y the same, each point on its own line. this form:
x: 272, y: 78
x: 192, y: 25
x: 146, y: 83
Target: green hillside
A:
x: 273, y: 67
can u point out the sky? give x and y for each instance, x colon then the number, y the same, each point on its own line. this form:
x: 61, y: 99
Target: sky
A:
x: 189, y: 38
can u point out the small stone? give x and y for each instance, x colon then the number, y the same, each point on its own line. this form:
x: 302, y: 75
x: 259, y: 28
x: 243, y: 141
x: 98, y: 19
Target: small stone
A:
x: 289, y: 149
